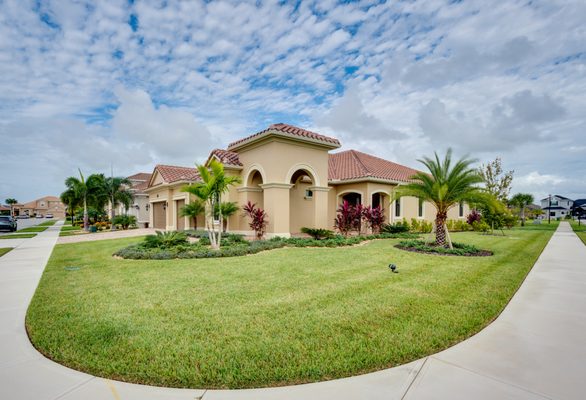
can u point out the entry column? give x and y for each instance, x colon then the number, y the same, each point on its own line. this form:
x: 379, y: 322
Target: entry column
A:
x: 276, y: 205
x: 320, y: 207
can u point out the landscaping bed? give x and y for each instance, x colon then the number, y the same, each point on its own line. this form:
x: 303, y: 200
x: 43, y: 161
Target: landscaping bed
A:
x: 236, y: 245
x: 459, y: 249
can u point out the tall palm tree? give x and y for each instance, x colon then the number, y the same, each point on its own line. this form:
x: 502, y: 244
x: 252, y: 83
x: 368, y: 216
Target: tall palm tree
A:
x: 71, y: 200
x: 118, y: 193
x: 445, y: 186
x: 79, y: 189
x: 522, y: 200
x: 11, y: 202
x: 192, y: 210
x: 214, y: 183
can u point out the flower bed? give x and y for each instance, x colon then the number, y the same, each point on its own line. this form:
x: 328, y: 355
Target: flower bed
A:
x: 459, y: 249
x: 235, y: 245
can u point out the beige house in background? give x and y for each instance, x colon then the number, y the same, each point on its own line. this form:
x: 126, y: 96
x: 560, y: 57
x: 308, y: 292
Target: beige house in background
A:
x: 43, y: 206
x: 140, y: 200
x: 291, y: 174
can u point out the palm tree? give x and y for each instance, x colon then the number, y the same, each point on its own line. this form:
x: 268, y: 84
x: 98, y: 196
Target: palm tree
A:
x: 118, y: 193
x: 228, y: 208
x: 214, y: 183
x: 79, y: 189
x: 71, y: 200
x: 445, y: 186
x: 522, y: 200
x: 11, y: 202
x: 192, y: 210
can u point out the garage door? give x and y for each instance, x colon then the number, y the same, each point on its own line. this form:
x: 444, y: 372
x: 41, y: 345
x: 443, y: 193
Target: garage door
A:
x: 180, y: 220
x: 159, y: 219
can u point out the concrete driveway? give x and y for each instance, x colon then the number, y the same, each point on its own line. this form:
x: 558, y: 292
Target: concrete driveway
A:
x: 536, y: 349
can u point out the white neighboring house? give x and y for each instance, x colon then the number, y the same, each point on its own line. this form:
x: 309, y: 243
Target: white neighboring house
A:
x: 140, y: 200
x: 559, y: 206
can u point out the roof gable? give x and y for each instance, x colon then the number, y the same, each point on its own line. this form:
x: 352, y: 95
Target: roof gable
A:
x: 226, y: 157
x: 171, y: 173
x: 352, y: 164
x: 290, y: 131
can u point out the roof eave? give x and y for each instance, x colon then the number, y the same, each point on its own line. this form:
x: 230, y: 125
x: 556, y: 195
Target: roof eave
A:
x: 273, y: 132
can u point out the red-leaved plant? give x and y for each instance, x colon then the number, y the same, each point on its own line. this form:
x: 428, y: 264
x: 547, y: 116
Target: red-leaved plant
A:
x: 374, y: 217
x: 473, y: 217
x: 346, y: 218
x: 258, y: 219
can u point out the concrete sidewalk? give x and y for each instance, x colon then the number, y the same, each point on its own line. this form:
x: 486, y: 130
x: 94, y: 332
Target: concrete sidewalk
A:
x: 536, y: 349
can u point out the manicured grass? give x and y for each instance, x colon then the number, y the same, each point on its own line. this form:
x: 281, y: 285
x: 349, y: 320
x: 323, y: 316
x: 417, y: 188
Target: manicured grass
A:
x: 48, y: 223
x: 33, y: 229
x: 579, y: 229
x: 4, y: 250
x: 18, y: 236
x: 284, y: 316
x: 68, y: 230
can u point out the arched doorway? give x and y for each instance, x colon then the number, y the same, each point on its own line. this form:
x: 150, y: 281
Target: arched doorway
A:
x: 301, y: 201
x: 255, y: 193
x: 352, y: 198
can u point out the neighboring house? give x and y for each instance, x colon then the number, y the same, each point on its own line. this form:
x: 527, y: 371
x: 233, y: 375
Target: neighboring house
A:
x: 43, y: 206
x: 556, y: 206
x: 140, y: 199
x: 290, y: 173
x: 4, y: 210
x: 579, y: 208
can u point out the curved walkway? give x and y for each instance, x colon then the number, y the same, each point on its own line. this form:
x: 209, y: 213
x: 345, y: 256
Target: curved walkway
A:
x: 536, y: 349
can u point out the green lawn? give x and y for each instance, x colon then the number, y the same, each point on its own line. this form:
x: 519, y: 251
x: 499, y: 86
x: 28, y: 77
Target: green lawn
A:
x: 4, y: 250
x: 284, y: 316
x: 18, y: 236
x: 33, y: 229
x: 579, y: 229
x: 48, y: 223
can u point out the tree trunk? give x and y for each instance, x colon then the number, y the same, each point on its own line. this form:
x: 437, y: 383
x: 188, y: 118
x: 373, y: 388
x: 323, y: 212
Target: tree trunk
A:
x: 522, y: 215
x: 112, y: 215
x: 440, y: 229
x: 85, y: 215
x: 225, y: 225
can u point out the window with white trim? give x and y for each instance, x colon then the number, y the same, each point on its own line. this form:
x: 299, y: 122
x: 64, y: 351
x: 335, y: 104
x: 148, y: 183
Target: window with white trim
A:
x: 398, y: 208
x: 420, y: 209
x: 461, y: 209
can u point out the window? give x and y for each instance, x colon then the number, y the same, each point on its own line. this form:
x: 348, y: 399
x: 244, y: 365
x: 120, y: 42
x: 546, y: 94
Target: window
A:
x: 554, y: 202
x: 461, y: 210
x: 398, y: 208
x: 420, y: 210
x: 309, y: 194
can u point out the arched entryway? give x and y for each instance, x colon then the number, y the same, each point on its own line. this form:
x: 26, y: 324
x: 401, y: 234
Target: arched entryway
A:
x: 352, y: 198
x: 255, y: 191
x: 301, y: 201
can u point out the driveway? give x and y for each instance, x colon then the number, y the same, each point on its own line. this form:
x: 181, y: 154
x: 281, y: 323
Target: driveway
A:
x: 536, y: 349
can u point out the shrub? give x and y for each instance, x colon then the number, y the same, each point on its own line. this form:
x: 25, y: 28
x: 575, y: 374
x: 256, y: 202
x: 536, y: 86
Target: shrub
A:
x: 347, y: 218
x: 258, y: 219
x: 164, y: 240
x: 398, y: 227
x: 474, y: 216
x: 124, y: 221
x: 318, y: 233
x: 374, y: 217
x: 480, y: 226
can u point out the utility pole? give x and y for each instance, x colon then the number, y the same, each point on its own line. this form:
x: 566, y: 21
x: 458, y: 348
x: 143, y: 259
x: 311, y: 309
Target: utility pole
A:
x: 549, y: 209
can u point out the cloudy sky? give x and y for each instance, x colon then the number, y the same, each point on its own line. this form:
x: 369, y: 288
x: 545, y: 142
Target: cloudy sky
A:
x: 135, y: 83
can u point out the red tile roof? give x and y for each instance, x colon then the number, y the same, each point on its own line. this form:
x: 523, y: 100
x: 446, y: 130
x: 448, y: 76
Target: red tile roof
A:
x: 352, y: 164
x: 141, y: 176
x: 172, y: 173
x: 289, y: 130
x: 226, y: 157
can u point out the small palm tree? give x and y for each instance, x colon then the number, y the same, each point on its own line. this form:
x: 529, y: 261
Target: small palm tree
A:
x: 227, y: 208
x: 118, y: 193
x: 79, y: 188
x: 214, y: 183
x: 11, y: 202
x: 445, y: 186
x: 192, y: 210
x: 71, y: 201
x: 522, y: 200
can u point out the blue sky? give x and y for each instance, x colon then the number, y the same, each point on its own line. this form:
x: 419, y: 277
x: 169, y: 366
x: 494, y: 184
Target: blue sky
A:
x: 133, y: 84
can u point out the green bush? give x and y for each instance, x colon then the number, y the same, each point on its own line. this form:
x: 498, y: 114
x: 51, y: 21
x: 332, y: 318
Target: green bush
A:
x: 317, y: 233
x: 421, y: 226
x: 164, y: 240
x: 124, y: 221
x: 398, y: 227
x: 480, y: 226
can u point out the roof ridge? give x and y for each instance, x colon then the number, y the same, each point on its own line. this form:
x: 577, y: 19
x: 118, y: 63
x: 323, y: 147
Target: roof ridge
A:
x: 364, y: 168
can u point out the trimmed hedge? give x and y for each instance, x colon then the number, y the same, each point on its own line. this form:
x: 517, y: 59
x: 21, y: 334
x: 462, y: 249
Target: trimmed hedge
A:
x: 235, y: 246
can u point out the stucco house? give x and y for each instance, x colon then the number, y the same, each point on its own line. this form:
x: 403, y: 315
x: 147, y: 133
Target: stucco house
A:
x: 140, y: 199
x: 43, y: 206
x: 291, y: 173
